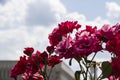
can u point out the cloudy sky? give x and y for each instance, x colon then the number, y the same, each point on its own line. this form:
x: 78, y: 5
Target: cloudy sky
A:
x: 26, y: 23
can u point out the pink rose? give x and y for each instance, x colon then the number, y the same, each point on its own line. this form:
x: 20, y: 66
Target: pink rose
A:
x: 86, y: 42
x: 105, y: 33
x: 29, y: 76
x: 64, y: 48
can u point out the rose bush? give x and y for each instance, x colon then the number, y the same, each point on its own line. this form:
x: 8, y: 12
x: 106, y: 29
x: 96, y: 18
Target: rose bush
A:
x: 70, y: 41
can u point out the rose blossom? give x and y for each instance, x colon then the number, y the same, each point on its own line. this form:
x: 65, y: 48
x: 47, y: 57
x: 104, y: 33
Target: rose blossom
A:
x: 86, y: 42
x: 116, y: 67
x: 68, y: 26
x: 50, y: 49
x: 53, y: 60
x: 55, y: 37
x: 34, y: 62
x: 37, y: 61
x: 28, y: 51
x: 114, y: 45
x: 105, y: 33
x: 62, y: 30
x: 85, y: 45
x: 90, y: 29
x: 19, y: 68
x: 64, y: 48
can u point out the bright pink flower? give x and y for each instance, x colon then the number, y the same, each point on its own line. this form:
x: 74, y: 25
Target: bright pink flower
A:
x: 106, y: 33
x: 28, y: 76
x: 89, y: 31
x: 110, y: 78
x: 28, y: 51
x: 53, y: 60
x: 86, y: 44
x: 19, y: 68
x: 82, y: 46
x: 64, y: 48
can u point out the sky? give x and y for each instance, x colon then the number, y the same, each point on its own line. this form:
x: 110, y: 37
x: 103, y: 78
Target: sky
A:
x: 27, y: 23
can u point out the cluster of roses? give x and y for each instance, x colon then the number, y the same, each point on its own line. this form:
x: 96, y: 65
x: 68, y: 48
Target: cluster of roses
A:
x: 63, y: 44
x: 87, y: 41
x: 33, y: 66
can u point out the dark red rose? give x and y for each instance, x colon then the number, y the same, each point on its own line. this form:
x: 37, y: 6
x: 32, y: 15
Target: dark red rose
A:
x: 68, y: 26
x: 28, y: 51
x: 53, y: 60
x: 114, y: 45
x: 116, y: 29
x: 116, y: 67
x: 55, y: 37
x: 90, y: 29
x: 50, y: 49
x: 61, y: 31
x: 19, y: 68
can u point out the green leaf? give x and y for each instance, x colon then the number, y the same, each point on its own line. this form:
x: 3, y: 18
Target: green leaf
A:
x: 77, y: 75
x: 70, y: 61
x: 106, y: 69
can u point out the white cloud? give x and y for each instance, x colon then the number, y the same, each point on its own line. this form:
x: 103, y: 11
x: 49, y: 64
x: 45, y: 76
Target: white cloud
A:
x: 15, y: 34
x: 113, y: 11
x: 12, y: 13
x: 13, y: 41
x: 73, y: 16
x: 44, y: 12
x: 98, y: 21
